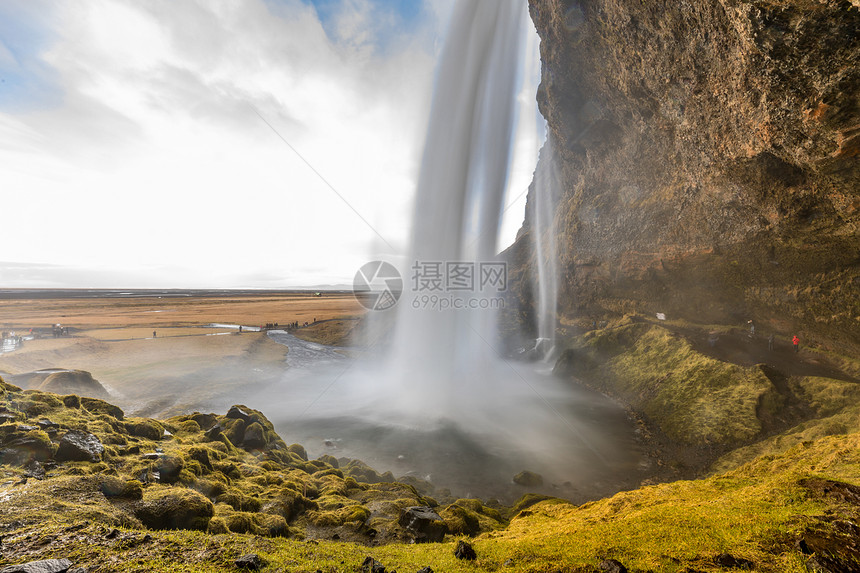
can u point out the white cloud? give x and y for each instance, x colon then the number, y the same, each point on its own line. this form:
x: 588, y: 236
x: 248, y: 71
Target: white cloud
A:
x: 156, y: 156
x: 155, y: 162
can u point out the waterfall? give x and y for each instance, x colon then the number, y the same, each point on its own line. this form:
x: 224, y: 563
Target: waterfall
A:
x: 441, y: 399
x: 545, y: 281
x: 458, y: 208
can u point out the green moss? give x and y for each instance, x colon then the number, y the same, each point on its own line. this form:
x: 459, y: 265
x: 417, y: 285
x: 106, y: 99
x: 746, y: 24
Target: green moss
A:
x: 299, y: 450
x: 97, y: 406
x: 114, y: 487
x: 471, y: 517
x: 210, y: 488
x: 144, y: 428
x: 329, y: 460
x: 529, y: 500
x: 234, y: 430
x: 337, y: 516
x: 693, y: 398
x: 174, y: 508
x: 217, y: 526
x: 50, y: 400
x: 825, y: 395
x: 239, y: 501
x: 188, y: 427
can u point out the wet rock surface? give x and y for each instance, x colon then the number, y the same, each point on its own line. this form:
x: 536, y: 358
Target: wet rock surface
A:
x: 43, y: 566
x: 424, y: 524
x: 79, y: 446
x: 705, y: 155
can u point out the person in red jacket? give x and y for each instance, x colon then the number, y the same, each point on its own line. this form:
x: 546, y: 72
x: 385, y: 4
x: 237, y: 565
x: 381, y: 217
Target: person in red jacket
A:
x: 796, y: 342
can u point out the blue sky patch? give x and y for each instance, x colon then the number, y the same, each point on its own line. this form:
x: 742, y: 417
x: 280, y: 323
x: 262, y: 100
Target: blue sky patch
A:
x: 26, y: 81
x: 408, y: 16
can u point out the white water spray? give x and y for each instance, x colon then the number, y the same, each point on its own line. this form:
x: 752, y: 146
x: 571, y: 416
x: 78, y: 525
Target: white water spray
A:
x: 446, y: 402
x: 545, y: 283
x: 458, y: 208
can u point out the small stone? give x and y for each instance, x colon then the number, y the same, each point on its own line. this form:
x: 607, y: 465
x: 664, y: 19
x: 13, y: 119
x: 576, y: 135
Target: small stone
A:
x: 726, y: 560
x: 371, y: 565
x: 465, y: 551
x: 528, y: 479
x: 44, y: 566
x: 112, y: 534
x: 612, y: 566
x: 34, y: 470
x: 150, y: 456
x: 252, y: 562
x: 425, y: 570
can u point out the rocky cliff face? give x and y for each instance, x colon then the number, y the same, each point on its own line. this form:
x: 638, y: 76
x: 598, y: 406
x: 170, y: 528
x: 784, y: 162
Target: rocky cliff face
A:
x: 708, y: 152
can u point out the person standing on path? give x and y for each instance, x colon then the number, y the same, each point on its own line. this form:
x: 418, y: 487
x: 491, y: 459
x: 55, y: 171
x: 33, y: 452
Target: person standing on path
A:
x: 770, y: 342
x: 796, y: 342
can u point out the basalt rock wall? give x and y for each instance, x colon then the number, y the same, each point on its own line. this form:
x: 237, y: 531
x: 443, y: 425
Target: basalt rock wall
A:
x: 708, y: 160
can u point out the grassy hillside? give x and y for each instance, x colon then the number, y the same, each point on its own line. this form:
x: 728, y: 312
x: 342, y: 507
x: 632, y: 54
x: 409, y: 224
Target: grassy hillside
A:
x: 220, y: 495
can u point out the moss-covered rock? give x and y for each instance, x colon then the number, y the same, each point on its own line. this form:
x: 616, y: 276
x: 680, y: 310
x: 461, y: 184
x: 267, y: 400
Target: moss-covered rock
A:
x: 101, y: 407
x: 144, y: 428
x: 114, y: 487
x: 174, y: 508
x: 299, y: 450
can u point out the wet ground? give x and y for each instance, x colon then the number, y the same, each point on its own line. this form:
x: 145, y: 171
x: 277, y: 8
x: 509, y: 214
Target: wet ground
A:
x: 581, y: 442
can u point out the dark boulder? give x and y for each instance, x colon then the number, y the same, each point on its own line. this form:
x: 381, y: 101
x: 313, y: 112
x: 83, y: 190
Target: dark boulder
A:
x: 465, y: 551
x: 424, y: 524
x: 79, y: 446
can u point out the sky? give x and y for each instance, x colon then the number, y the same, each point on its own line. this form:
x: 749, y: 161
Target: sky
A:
x: 218, y: 143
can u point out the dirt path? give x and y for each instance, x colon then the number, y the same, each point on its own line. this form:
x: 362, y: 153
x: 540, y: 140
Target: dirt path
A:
x: 738, y: 347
